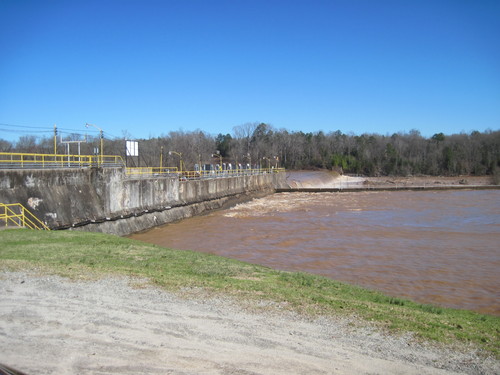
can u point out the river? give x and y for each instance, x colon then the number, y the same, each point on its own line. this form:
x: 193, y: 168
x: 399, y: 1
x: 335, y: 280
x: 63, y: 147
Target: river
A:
x: 437, y: 247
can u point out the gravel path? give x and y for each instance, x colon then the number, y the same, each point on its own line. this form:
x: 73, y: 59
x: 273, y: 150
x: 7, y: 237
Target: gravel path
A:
x: 49, y: 325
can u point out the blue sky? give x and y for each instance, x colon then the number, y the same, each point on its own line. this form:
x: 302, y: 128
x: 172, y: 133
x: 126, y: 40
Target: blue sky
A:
x: 145, y: 68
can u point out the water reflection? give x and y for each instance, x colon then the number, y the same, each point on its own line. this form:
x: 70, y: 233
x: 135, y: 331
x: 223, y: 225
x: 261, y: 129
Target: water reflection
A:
x: 434, y: 247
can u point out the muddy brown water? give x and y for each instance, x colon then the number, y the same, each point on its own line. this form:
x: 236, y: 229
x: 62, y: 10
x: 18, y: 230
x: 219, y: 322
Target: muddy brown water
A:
x: 438, y: 247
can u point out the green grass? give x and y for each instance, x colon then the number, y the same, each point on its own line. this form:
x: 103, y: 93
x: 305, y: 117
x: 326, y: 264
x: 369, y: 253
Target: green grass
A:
x: 93, y: 255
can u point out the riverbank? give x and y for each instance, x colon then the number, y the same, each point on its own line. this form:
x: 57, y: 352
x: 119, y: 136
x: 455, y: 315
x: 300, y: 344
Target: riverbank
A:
x: 429, y: 181
x: 332, y: 180
x: 127, y: 307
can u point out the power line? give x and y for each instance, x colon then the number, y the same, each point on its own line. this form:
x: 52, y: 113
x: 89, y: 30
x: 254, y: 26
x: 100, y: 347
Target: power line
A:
x: 112, y: 136
x: 23, y: 131
x: 27, y: 126
x: 18, y: 129
x: 69, y: 130
x: 49, y: 129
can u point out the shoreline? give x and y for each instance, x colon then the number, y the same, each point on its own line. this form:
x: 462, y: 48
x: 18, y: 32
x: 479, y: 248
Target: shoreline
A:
x: 431, y: 181
x: 331, y: 181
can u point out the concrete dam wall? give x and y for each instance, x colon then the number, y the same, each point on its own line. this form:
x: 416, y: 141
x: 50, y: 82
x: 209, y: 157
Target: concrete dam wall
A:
x: 106, y: 200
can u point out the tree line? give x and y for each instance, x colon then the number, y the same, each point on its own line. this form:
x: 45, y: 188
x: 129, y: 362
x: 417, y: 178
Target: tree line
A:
x: 261, y: 145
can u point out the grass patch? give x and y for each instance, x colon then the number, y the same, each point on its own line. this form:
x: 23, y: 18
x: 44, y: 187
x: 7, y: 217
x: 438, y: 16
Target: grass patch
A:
x: 92, y: 255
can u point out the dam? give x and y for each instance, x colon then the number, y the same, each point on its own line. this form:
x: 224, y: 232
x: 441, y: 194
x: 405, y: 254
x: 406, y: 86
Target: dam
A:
x: 110, y: 200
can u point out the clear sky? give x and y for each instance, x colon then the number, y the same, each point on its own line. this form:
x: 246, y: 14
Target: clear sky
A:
x: 144, y: 67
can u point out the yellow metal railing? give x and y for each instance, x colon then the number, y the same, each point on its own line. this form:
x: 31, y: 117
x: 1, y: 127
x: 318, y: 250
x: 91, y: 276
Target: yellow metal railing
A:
x: 152, y: 171
x: 191, y: 175
x: 10, y: 160
x: 17, y: 214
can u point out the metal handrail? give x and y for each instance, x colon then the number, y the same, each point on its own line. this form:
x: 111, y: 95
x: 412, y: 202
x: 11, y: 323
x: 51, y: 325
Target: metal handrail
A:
x: 151, y: 171
x: 215, y: 173
x: 16, y: 160
x: 203, y: 174
x: 23, y: 218
x: 19, y: 160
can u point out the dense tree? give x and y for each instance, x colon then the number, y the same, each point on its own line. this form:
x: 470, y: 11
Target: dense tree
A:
x: 260, y: 144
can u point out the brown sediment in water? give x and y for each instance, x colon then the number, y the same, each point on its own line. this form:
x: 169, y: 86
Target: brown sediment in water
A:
x: 436, y: 247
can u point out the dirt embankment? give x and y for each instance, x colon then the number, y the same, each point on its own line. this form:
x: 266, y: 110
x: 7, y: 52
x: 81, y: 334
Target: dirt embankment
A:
x: 428, y: 181
x: 50, y: 325
x: 332, y: 180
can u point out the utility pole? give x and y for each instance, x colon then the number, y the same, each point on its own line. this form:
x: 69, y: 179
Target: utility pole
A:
x: 55, y: 139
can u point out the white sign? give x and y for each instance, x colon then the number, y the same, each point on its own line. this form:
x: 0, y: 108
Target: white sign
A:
x: 132, y: 148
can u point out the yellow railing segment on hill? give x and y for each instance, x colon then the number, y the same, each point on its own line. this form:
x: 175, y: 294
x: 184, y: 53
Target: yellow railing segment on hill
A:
x: 17, y: 160
x: 17, y: 214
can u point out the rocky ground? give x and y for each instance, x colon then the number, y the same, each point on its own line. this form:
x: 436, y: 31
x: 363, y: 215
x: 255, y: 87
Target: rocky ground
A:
x: 50, y: 325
